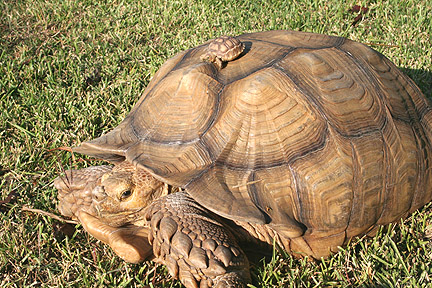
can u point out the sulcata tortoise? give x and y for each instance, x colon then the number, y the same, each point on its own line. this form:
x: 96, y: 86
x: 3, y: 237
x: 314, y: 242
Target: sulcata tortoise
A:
x: 305, y: 140
x: 223, y: 49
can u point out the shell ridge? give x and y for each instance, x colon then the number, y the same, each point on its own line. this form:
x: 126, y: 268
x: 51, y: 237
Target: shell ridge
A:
x: 268, y: 117
x: 255, y: 198
x: 402, y: 150
x: 306, y: 93
x: 420, y: 110
x: 273, y: 125
x: 215, y: 115
x: 298, y: 207
x: 420, y: 172
x: 268, y: 42
x: 356, y: 188
x: 339, y: 42
x: 262, y: 67
x: 179, y: 63
x: 387, y: 165
x: 393, y: 166
x: 228, y: 148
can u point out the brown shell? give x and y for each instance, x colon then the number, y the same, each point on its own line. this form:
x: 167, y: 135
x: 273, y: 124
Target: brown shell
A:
x: 309, y: 132
x: 226, y: 48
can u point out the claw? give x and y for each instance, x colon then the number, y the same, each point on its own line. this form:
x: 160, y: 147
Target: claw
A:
x: 155, y: 221
x: 224, y: 255
x: 182, y: 243
x: 198, y: 258
x: 167, y: 228
x: 209, y: 244
x: 188, y: 279
x: 215, y: 268
x: 172, y: 266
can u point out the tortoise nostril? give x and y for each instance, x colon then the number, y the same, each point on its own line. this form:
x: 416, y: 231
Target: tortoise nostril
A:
x: 99, y: 193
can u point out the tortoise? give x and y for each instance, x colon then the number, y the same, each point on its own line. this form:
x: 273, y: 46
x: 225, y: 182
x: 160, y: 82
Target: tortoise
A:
x: 307, y: 141
x: 223, y: 49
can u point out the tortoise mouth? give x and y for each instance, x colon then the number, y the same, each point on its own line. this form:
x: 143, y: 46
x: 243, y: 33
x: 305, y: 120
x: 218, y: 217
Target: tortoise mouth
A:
x: 118, y: 218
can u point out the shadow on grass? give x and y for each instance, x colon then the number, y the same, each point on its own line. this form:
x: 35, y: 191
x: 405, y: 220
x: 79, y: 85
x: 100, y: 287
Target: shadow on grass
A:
x: 423, y: 79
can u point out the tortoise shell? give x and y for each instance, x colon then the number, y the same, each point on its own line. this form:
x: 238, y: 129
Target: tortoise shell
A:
x: 226, y: 48
x: 306, y: 132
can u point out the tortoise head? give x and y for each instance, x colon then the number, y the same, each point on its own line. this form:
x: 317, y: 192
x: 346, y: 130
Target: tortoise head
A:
x: 124, y: 192
x: 115, y: 195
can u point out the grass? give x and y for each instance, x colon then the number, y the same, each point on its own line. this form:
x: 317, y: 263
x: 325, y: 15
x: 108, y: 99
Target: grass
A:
x: 71, y: 70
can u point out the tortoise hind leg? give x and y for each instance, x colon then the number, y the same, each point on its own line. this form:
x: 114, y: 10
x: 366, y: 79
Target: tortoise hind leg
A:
x: 194, y: 246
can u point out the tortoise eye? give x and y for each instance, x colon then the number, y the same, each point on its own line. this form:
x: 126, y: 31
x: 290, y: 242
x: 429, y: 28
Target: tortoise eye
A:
x: 126, y: 194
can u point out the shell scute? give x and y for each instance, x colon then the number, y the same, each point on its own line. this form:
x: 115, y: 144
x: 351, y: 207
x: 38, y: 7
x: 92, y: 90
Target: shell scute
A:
x: 173, y: 113
x: 339, y: 88
x: 263, y: 116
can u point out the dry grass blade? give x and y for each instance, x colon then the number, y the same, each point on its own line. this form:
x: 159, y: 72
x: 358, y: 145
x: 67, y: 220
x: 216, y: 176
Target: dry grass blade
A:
x: 54, y: 216
x: 68, y: 181
x: 382, y: 45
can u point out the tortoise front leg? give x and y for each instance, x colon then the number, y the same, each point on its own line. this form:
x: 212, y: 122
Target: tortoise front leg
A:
x: 130, y: 242
x: 193, y: 245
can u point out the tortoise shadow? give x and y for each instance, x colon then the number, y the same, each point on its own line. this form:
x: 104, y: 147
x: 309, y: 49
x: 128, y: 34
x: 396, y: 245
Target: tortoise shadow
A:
x: 423, y: 79
x: 247, y: 48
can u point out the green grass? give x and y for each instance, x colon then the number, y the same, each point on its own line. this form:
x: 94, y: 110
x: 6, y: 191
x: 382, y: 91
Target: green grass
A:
x: 51, y: 97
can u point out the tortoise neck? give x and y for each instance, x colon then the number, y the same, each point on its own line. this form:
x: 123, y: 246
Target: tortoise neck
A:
x: 261, y: 234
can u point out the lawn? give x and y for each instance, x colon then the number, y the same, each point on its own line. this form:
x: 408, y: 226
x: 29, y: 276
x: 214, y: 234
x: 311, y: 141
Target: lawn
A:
x: 71, y: 70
